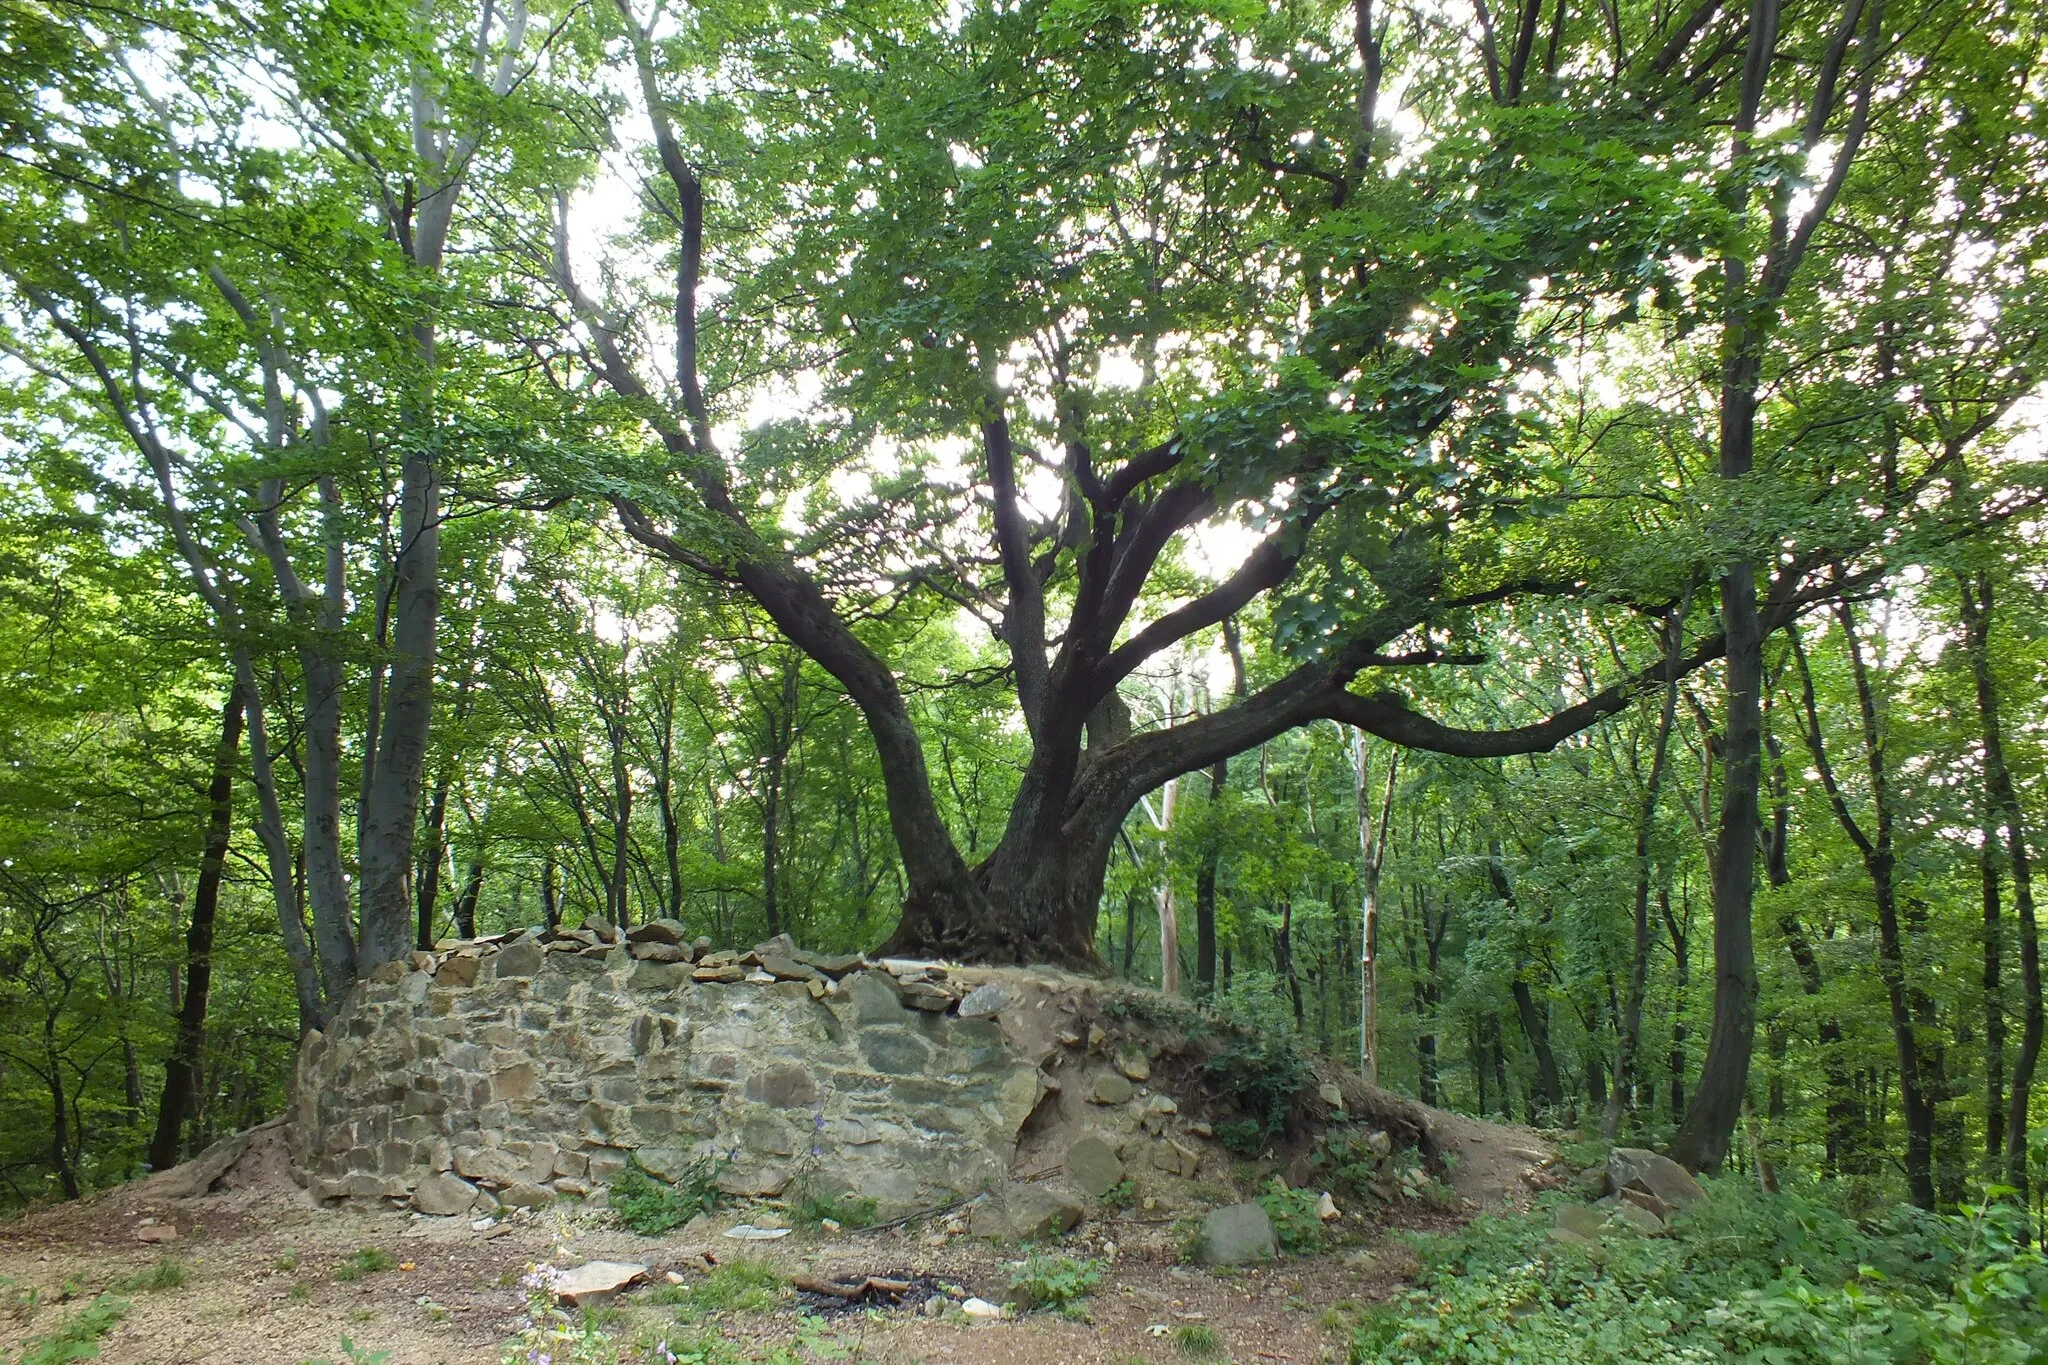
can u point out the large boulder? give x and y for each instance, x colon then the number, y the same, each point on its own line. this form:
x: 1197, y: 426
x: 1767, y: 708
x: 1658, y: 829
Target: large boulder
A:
x: 1581, y: 1220
x: 1663, y: 1186
x: 1026, y: 1213
x: 444, y: 1195
x: 1237, y: 1234
x: 1093, y: 1165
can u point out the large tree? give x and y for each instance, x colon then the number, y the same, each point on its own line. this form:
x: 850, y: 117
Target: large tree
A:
x: 1080, y: 283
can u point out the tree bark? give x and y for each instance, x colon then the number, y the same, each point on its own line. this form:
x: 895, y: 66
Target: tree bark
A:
x: 1639, y: 961
x: 1169, y: 914
x: 2003, y: 798
x: 429, y: 880
x: 1549, y: 1090
x: 1880, y: 863
x: 1373, y: 837
x: 182, y: 1069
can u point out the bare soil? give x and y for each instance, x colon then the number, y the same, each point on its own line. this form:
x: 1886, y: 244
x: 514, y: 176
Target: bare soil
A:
x: 263, y: 1286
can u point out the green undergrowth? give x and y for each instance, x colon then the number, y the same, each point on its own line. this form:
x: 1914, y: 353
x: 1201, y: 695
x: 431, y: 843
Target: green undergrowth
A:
x: 1295, y: 1225
x: 1266, y: 1074
x: 847, y: 1210
x: 651, y: 1206
x: 77, y: 1337
x: 1747, y: 1278
x: 1059, y: 1283
x: 168, y: 1273
x: 740, y: 1286
x: 363, y: 1262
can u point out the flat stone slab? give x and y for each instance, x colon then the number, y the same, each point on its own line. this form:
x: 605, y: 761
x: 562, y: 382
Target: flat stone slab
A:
x: 985, y: 1001
x: 596, y: 1280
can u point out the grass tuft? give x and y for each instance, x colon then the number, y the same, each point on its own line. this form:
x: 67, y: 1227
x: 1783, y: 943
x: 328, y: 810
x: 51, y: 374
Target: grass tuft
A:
x: 366, y: 1261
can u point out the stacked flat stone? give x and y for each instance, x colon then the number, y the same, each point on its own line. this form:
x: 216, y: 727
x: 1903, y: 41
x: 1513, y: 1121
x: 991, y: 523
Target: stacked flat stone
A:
x: 515, y: 1069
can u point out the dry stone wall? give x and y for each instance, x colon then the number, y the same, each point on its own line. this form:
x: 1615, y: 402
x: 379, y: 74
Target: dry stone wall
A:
x: 518, y: 1069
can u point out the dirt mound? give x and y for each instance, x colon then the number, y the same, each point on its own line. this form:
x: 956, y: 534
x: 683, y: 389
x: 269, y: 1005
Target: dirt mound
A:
x: 251, y: 1164
x: 1174, y: 1107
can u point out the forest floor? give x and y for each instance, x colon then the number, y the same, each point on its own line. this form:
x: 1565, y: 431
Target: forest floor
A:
x: 269, y: 1278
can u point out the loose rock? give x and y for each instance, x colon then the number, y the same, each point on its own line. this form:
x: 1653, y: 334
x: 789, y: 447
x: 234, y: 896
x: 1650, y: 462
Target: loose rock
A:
x: 1237, y: 1234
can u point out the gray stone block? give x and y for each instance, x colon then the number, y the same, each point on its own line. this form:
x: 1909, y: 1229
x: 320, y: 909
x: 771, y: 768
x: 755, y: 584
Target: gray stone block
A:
x: 1237, y: 1234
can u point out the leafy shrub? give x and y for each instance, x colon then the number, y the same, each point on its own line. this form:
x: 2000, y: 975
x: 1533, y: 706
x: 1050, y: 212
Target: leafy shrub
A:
x: 1295, y: 1225
x: 1745, y: 1277
x: 1265, y: 1074
x: 1347, y: 1162
x: 77, y: 1337
x: 367, y: 1261
x: 651, y: 1206
x: 1059, y: 1282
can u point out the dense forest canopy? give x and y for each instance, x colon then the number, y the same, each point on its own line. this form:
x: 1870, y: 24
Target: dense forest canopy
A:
x: 1505, y: 541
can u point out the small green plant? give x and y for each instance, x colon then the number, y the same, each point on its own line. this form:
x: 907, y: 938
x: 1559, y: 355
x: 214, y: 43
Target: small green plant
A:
x: 1197, y: 1341
x: 1295, y: 1225
x: 168, y: 1273
x: 78, y: 1336
x: 1121, y: 1195
x: 1057, y: 1282
x: 739, y: 1286
x: 651, y: 1206
x: 299, y: 1292
x: 552, y: 1334
x: 364, y: 1261
x: 847, y: 1210
x: 287, y: 1260
x: 1187, y: 1240
x: 352, y: 1354
x: 1246, y: 1137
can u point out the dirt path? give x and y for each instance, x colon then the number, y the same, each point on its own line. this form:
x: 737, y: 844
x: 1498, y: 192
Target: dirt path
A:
x: 269, y: 1279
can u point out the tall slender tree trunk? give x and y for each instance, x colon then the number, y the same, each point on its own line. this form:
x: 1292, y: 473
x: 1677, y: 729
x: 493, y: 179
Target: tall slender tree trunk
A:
x: 1880, y: 863
x: 1709, y: 1125
x: 1646, y: 817
x: 1549, y: 1090
x: 429, y: 879
x: 2003, y: 798
x: 1205, y: 887
x: 1681, y: 984
x: 465, y: 903
x: 1373, y: 837
x: 1169, y: 913
x: 1990, y: 877
x: 1283, y: 961
x: 182, y: 1069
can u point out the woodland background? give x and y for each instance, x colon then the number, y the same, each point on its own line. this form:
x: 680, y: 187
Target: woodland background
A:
x: 288, y: 304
